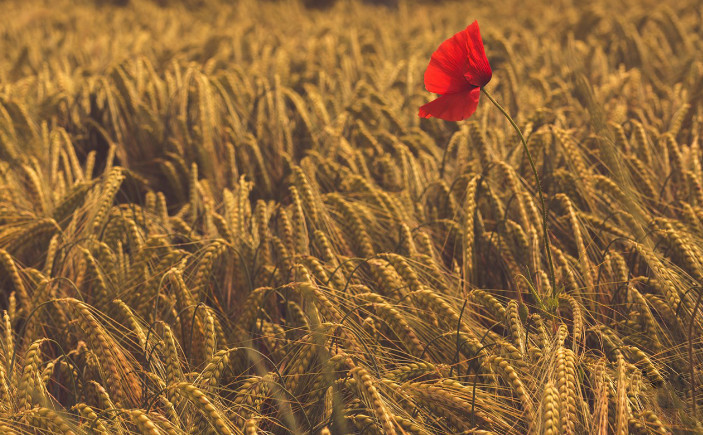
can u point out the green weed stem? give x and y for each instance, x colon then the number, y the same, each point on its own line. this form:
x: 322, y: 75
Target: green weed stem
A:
x: 552, y: 277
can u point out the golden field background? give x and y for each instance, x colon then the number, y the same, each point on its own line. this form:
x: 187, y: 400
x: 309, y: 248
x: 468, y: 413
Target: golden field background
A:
x: 228, y: 218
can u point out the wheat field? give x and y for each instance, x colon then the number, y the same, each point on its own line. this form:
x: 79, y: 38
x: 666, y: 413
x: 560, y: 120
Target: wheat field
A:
x: 228, y: 218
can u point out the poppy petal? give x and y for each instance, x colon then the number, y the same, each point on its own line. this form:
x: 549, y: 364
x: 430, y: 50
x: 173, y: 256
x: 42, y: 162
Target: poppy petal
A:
x: 452, y: 107
x: 448, y: 64
x: 479, y: 71
x: 459, y: 61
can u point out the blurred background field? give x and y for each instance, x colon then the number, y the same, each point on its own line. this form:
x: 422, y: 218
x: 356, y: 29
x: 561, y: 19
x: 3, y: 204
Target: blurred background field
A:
x: 227, y: 217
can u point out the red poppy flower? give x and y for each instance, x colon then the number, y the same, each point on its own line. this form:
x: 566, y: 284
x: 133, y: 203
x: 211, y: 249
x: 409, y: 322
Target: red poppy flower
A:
x: 457, y: 71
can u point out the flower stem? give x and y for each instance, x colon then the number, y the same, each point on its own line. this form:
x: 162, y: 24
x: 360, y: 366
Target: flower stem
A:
x: 552, y: 277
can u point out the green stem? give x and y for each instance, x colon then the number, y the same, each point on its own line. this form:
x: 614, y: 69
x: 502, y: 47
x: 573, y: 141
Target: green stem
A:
x: 552, y: 277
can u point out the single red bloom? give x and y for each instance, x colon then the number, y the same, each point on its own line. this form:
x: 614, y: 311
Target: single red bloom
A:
x: 457, y: 71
